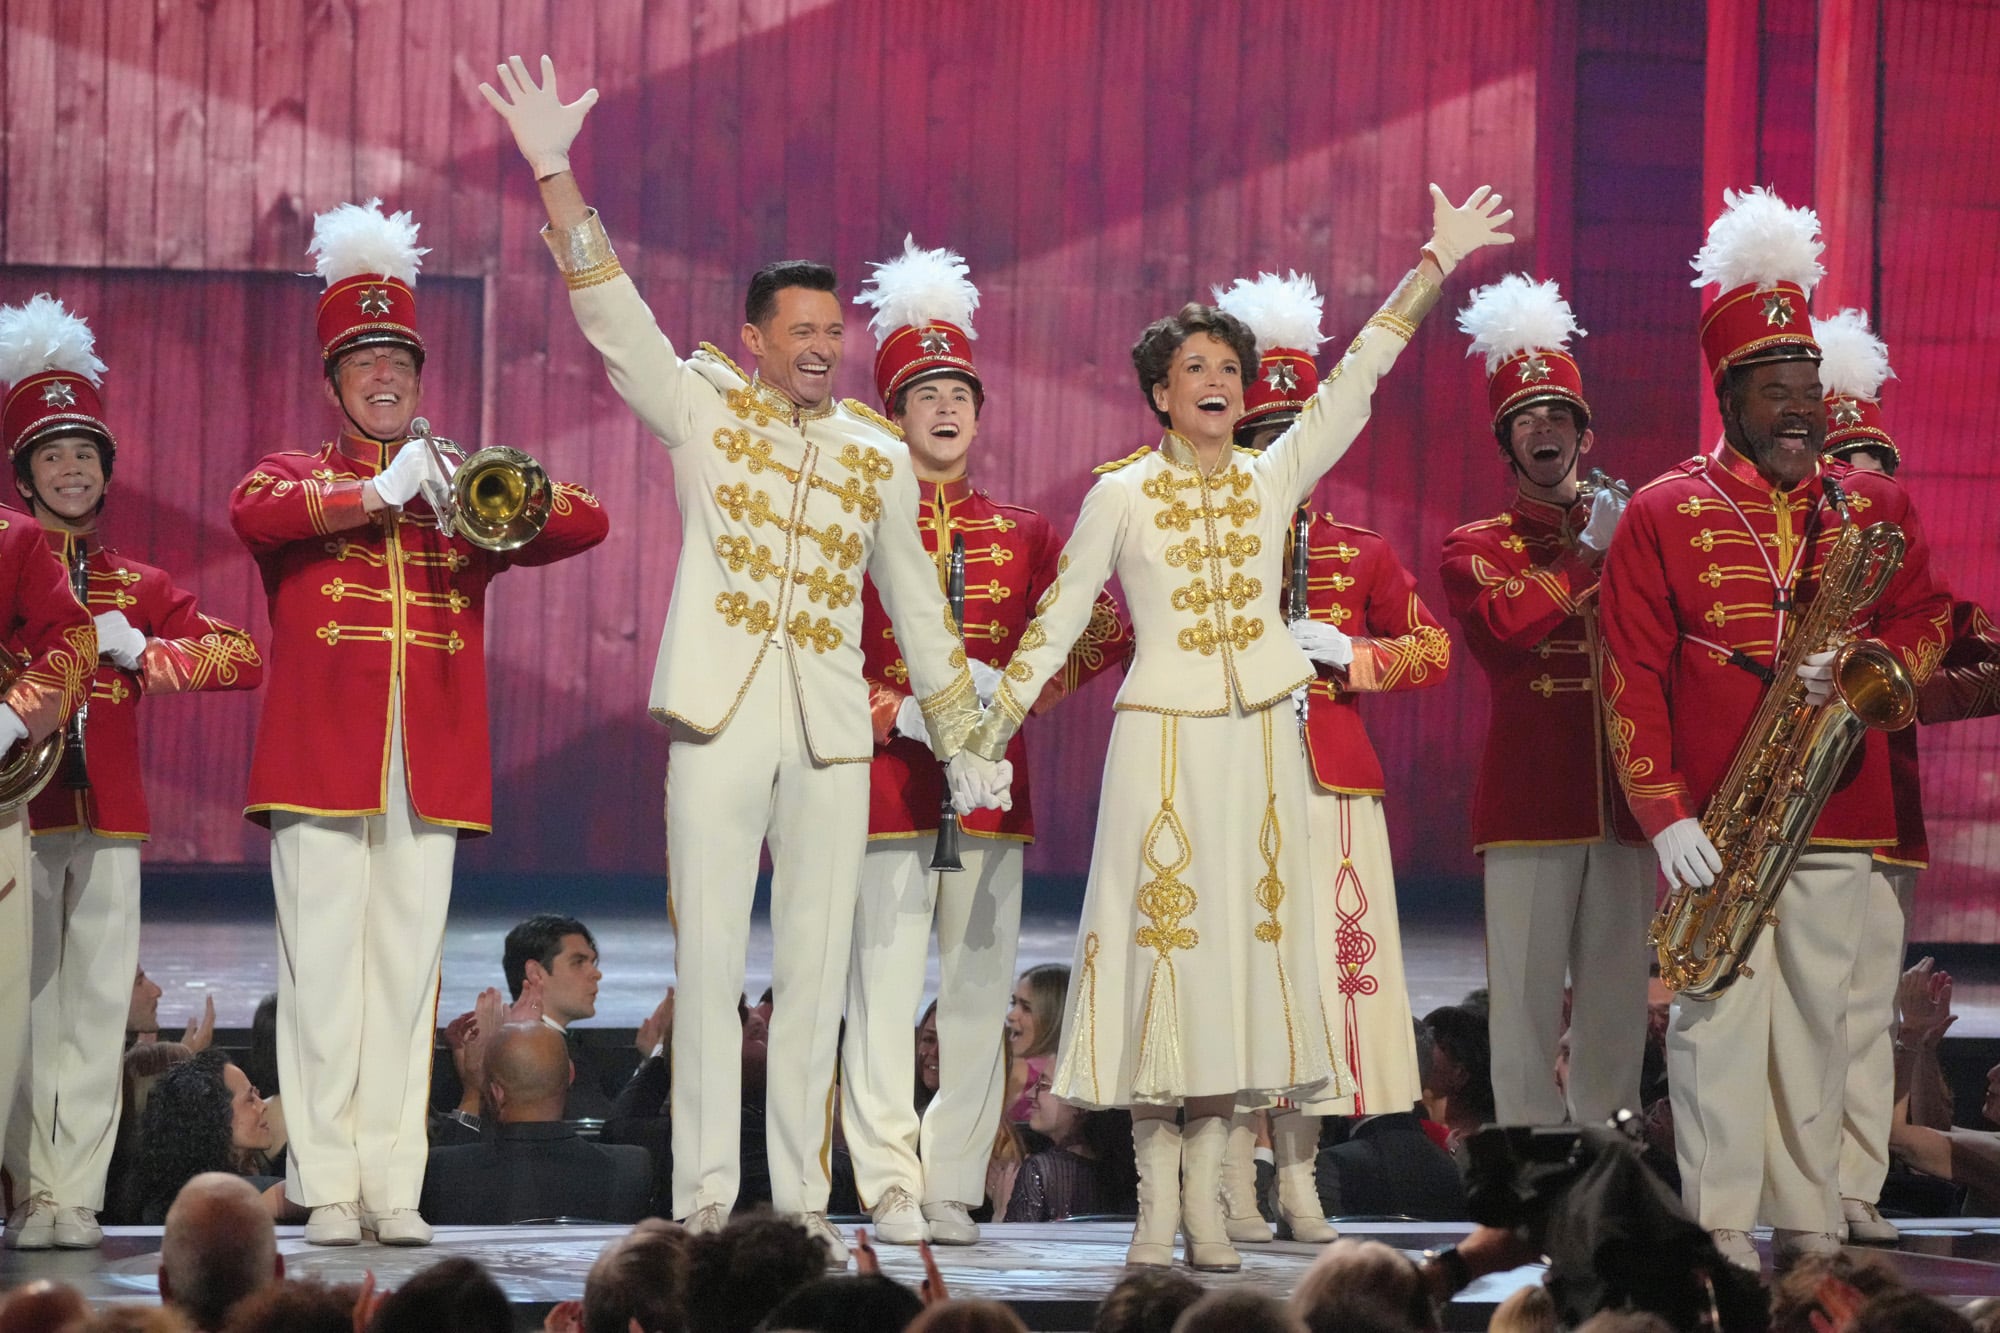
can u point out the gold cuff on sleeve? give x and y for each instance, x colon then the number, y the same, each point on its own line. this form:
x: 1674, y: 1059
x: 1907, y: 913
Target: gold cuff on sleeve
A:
x: 583, y: 253
x: 949, y: 714
x: 1408, y: 304
x: 989, y: 738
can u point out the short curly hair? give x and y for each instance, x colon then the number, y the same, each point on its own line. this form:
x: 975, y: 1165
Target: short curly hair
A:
x: 187, y: 1130
x: 1153, y: 354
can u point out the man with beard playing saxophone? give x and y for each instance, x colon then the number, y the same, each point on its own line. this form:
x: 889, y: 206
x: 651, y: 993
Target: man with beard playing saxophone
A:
x: 1715, y: 562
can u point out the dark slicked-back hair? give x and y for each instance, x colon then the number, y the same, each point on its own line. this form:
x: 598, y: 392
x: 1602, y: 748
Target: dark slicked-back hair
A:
x: 1460, y: 1032
x: 760, y: 302
x: 540, y: 937
x: 453, y: 1295
x: 1153, y: 354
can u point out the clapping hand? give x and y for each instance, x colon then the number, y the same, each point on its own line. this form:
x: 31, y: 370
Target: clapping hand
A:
x: 200, y: 1033
x: 654, y: 1030
x: 1923, y: 997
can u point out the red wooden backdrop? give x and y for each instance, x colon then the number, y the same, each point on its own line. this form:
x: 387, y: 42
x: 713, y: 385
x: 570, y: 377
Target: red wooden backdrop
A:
x: 1098, y: 164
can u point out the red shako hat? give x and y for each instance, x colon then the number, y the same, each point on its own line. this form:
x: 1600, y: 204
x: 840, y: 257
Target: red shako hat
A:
x: 1522, y: 328
x: 369, y: 263
x: 924, y: 301
x: 49, y: 361
x: 1854, y: 364
x: 1763, y: 257
x: 1283, y: 314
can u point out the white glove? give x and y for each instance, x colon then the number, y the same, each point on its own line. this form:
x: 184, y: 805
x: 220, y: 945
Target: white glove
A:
x: 1457, y: 232
x: 910, y: 721
x: 1687, y: 857
x: 117, y: 640
x: 1817, y: 673
x: 1606, y: 508
x: 978, y: 783
x: 12, y: 729
x: 407, y: 473
x: 985, y: 679
x: 543, y: 127
x: 1322, y: 643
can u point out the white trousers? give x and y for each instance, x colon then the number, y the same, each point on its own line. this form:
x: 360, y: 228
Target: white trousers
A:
x: 978, y: 916
x: 1869, y: 1099
x: 1576, y: 912
x: 86, y: 948
x: 1757, y: 1073
x: 728, y: 795
x: 16, y: 934
x: 361, y: 911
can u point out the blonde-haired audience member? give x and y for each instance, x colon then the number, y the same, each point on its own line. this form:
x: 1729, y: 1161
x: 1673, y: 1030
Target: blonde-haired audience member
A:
x: 1529, y: 1310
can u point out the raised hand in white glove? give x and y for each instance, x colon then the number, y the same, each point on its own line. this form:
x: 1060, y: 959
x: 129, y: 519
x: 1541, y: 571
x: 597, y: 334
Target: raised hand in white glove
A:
x: 118, y: 640
x: 910, y: 721
x: 1817, y: 673
x: 1322, y: 643
x: 543, y: 127
x: 12, y: 728
x: 407, y: 473
x: 978, y: 783
x: 985, y: 679
x: 1457, y: 231
x: 1606, y: 508
x: 1687, y: 857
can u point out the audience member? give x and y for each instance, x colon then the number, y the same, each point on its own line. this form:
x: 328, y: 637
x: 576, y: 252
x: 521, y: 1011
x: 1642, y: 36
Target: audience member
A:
x: 1529, y: 1309
x: 967, y: 1317
x: 1389, y: 1167
x: 142, y: 1013
x: 41, y: 1307
x: 635, y: 1285
x: 1984, y: 1314
x: 219, y: 1246
x: 927, y: 1058
x: 1088, y: 1167
x: 1146, y: 1300
x: 1458, y: 1082
x: 1034, y: 1026
x: 453, y: 1295
x: 144, y: 1064
x: 738, y: 1275
x: 1009, y: 1150
x: 529, y: 1163
x: 1352, y: 1273
x: 131, y: 1319
x: 308, y: 1306
x: 1238, y: 1312
x: 1907, y: 1312
x: 843, y: 1303
x: 550, y: 963
x: 260, y: 1062
x: 1625, y: 1321
x: 203, y: 1115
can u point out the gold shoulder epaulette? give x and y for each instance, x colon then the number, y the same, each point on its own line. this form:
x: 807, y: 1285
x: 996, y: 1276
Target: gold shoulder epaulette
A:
x: 723, y: 357
x: 867, y: 413
x: 1126, y: 461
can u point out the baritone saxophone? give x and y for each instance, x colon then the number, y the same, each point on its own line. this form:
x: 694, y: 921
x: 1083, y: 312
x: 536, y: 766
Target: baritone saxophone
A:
x: 1761, y: 817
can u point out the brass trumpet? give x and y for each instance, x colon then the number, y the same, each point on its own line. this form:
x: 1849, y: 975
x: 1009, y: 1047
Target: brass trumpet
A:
x: 499, y: 498
x: 27, y: 767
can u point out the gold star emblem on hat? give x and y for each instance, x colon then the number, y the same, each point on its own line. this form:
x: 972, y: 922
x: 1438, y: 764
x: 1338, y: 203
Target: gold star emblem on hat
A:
x: 1534, y: 368
x: 935, y: 342
x: 1846, y: 412
x: 58, y: 394
x: 1281, y: 377
x: 375, y: 300
x: 1777, y: 310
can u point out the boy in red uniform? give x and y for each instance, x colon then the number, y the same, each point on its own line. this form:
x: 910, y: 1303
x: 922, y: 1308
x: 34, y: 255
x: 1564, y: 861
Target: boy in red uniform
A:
x: 372, y: 756
x: 88, y: 822
x: 1569, y: 882
x: 920, y: 1181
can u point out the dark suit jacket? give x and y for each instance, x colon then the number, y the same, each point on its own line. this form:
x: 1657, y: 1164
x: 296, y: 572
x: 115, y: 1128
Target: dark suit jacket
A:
x: 1389, y: 1167
x: 524, y: 1171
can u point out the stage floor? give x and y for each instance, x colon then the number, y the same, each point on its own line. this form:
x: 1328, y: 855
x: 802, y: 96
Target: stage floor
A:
x: 1053, y: 1274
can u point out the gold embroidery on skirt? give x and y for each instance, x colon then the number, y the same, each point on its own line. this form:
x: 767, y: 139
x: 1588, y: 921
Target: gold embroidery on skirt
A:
x: 1271, y: 892
x: 1086, y: 1035
x: 1166, y: 903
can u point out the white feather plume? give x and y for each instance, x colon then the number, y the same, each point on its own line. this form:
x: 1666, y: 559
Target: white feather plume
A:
x: 40, y: 336
x: 1854, y: 360
x: 1760, y: 239
x: 920, y: 287
x: 1515, y: 315
x: 353, y: 239
x: 1281, y: 312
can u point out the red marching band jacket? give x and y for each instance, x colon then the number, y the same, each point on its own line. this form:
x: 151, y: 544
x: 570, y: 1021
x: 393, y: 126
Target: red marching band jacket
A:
x: 1011, y: 556
x: 1965, y: 685
x: 1355, y: 584
x: 353, y: 610
x: 1526, y: 601
x: 46, y: 629
x: 185, y: 651
x: 1709, y: 568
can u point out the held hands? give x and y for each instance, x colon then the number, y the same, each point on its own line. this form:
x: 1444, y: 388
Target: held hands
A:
x: 118, y: 640
x: 978, y: 783
x: 1606, y: 508
x: 985, y: 679
x: 1323, y: 643
x: 1687, y: 858
x: 1817, y: 674
x: 543, y: 127
x: 1457, y: 232
x: 411, y: 470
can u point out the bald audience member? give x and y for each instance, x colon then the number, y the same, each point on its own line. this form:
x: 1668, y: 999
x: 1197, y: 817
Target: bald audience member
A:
x: 529, y: 1163
x: 41, y: 1307
x: 218, y: 1247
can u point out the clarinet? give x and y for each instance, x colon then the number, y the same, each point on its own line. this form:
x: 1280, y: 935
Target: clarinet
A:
x: 75, y: 772
x: 944, y: 856
x: 1295, y: 597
